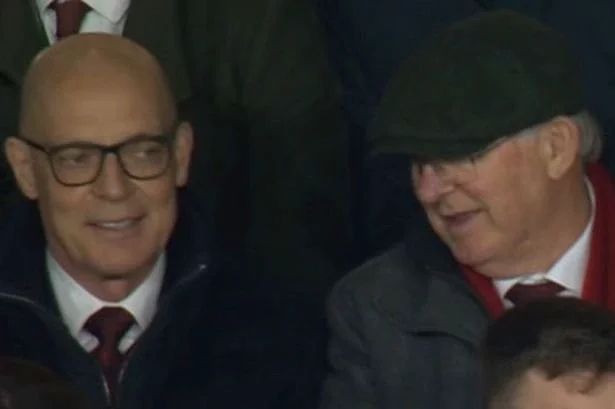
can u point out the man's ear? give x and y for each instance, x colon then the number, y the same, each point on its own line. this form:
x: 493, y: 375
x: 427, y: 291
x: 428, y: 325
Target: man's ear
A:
x: 560, y: 140
x: 20, y: 160
x: 184, y: 143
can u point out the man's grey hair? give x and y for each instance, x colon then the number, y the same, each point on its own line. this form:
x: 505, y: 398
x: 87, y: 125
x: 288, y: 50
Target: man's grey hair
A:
x: 591, y: 136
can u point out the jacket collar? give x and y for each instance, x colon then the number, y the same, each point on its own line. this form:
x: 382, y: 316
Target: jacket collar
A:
x: 22, y: 251
x: 433, y: 296
x: 152, y: 23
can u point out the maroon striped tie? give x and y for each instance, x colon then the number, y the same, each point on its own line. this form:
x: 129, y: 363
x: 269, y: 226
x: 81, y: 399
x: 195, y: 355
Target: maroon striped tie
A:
x: 521, y: 294
x: 109, y: 325
x: 69, y: 16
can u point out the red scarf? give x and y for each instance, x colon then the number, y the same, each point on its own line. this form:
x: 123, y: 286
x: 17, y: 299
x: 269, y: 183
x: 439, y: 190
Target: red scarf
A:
x: 599, y: 285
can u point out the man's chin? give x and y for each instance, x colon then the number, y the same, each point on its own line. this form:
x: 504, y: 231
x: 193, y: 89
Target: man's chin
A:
x: 115, y: 275
x: 467, y: 254
x: 117, y: 271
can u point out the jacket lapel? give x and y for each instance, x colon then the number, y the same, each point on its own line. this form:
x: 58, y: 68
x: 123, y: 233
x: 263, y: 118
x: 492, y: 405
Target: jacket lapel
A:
x: 155, y: 25
x: 23, y: 271
x: 435, y: 298
x: 22, y: 36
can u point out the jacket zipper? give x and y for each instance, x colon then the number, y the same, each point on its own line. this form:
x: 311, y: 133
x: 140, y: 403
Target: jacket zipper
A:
x: 54, y: 326
x: 147, y: 333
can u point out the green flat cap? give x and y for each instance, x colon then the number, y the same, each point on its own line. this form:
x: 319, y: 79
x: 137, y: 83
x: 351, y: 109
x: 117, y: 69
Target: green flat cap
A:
x: 483, y: 78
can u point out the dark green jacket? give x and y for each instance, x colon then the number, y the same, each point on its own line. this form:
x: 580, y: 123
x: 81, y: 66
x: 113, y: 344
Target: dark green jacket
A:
x: 253, y: 77
x: 406, y: 329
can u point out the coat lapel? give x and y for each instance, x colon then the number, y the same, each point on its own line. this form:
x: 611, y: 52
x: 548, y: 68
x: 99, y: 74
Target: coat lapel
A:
x: 435, y: 298
x: 155, y: 25
x: 22, y: 36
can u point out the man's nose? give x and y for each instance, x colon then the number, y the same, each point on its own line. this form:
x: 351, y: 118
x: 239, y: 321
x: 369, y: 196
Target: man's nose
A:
x: 429, y: 183
x: 112, y: 182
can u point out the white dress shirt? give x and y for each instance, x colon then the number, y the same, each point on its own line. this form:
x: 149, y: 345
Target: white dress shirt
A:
x: 77, y: 305
x: 568, y: 271
x: 104, y: 16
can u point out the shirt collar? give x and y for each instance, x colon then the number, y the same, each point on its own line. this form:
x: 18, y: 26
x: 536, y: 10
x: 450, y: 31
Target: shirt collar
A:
x: 569, y: 270
x: 77, y: 305
x: 43, y: 5
x: 112, y: 10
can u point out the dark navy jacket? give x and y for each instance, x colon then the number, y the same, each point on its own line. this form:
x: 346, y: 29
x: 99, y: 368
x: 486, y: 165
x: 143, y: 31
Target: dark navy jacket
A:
x: 220, y: 339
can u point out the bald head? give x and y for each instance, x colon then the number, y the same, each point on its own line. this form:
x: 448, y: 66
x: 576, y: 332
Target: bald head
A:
x: 102, y: 153
x: 87, y: 65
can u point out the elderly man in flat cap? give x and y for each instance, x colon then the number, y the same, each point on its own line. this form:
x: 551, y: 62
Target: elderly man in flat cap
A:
x: 492, y: 112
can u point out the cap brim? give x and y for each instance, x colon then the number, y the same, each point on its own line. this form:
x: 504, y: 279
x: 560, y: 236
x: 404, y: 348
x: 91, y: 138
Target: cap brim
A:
x: 429, y: 149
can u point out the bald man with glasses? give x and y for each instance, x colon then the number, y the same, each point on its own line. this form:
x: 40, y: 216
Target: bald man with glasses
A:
x: 107, y: 275
x: 253, y: 78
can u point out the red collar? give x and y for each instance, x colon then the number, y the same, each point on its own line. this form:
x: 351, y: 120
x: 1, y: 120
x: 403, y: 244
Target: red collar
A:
x: 599, y: 285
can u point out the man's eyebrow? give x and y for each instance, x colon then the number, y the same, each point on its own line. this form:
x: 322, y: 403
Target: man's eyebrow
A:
x: 133, y: 137
x: 145, y: 136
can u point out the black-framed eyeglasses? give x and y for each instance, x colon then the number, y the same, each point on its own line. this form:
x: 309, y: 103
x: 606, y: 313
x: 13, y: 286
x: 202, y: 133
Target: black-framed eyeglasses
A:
x: 81, y: 163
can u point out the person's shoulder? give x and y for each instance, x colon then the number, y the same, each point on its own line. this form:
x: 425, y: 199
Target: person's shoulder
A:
x: 387, y: 268
x: 396, y: 279
x: 388, y: 274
